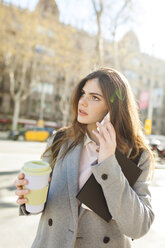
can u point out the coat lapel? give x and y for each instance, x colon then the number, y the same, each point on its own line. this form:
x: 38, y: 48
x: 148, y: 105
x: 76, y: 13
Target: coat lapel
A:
x: 73, y: 161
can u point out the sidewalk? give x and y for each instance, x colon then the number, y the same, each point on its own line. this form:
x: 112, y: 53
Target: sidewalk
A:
x: 15, y: 231
x: 19, y: 231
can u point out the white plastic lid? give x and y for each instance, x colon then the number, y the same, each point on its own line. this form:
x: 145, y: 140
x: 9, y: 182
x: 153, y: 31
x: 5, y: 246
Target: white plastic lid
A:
x: 36, y: 167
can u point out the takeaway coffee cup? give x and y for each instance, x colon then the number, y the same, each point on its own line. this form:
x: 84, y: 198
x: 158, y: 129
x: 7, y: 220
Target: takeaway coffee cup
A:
x: 37, y: 173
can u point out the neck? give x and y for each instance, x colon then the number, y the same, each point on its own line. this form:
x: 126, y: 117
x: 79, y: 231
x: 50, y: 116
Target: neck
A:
x: 91, y: 127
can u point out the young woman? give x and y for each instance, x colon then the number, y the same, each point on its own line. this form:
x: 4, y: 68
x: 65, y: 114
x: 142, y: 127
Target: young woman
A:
x: 77, y: 151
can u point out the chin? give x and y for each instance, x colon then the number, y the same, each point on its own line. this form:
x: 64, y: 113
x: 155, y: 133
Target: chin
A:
x: 81, y: 120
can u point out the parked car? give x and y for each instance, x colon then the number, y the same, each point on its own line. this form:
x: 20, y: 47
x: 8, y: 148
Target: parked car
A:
x: 34, y: 134
x: 157, y: 144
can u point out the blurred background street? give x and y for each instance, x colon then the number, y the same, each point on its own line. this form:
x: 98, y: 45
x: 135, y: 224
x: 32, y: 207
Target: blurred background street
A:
x: 19, y: 231
x: 46, y: 48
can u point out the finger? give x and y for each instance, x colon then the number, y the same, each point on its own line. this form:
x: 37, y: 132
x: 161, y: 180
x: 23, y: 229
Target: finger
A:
x: 21, y: 176
x: 21, y: 182
x: 99, y: 136
x: 22, y: 192
x: 111, y: 130
x: 49, y: 179
x: 104, y: 131
x: 102, y: 127
x: 21, y: 200
x: 19, y: 187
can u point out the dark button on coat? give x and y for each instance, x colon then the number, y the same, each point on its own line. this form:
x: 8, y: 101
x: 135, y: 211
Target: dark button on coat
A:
x: 106, y: 239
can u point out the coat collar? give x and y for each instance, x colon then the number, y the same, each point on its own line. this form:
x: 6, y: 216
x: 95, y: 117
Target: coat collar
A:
x: 72, y: 164
x: 87, y: 140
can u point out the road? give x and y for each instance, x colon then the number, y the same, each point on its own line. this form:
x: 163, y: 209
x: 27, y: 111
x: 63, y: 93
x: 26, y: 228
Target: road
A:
x: 19, y: 231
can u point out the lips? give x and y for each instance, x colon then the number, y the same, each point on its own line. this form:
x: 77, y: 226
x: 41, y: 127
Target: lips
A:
x: 82, y: 112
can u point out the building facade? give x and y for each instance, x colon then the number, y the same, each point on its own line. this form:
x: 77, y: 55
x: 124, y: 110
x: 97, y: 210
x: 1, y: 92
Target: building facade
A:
x: 64, y: 55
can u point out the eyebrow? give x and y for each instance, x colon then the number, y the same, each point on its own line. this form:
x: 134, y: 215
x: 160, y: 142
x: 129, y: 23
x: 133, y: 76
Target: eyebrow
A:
x: 92, y: 93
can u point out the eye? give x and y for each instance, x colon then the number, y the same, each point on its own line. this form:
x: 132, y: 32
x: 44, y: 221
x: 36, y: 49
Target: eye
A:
x: 96, y: 98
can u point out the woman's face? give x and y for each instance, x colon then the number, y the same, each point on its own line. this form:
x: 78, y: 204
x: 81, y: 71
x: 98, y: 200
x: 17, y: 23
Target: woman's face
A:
x: 91, y: 106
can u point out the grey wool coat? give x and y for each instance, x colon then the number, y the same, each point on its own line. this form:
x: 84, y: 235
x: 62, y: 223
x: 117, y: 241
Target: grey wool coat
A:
x: 64, y: 225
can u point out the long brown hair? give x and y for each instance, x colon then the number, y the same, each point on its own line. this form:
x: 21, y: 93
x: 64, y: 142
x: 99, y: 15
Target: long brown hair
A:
x: 123, y: 111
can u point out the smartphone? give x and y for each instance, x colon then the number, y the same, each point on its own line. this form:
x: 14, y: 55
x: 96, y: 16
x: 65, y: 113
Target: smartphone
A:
x: 102, y: 122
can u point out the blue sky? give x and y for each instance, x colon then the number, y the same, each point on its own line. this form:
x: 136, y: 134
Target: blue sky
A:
x: 148, y: 25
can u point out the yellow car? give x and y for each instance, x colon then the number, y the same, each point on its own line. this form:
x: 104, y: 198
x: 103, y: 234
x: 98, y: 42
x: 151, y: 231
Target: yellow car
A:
x: 35, y: 134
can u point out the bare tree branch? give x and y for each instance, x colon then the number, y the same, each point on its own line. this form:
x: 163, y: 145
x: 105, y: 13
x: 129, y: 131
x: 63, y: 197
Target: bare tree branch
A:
x: 98, y: 13
x: 118, y: 17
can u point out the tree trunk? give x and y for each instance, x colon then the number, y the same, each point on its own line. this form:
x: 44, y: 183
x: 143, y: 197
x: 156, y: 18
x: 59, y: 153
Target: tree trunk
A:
x: 100, y: 42
x: 16, y: 113
x: 115, y: 51
x: 116, y: 55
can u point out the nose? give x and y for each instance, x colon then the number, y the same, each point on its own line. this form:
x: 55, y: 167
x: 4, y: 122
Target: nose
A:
x: 83, y: 101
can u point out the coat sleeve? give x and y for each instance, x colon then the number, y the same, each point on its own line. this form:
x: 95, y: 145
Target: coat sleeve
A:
x: 22, y: 209
x: 129, y: 207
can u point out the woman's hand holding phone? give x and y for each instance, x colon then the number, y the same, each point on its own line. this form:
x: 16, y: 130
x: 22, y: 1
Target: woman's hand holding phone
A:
x: 102, y: 122
x: 107, y: 139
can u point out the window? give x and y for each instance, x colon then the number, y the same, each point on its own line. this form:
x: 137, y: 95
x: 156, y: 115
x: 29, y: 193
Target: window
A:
x: 42, y: 30
x: 131, y: 75
x: 50, y: 52
x: 44, y: 50
x: 154, y: 123
x: 135, y: 61
x: 48, y: 107
x: 40, y: 49
x: 46, y: 87
x: 148, y: 82
x: 38, y: 88
x: 154, y: 111
x: 1, y: 85
x: 135, y: 90
x: 1, y: 101
x: 35, y: 106
x: 57, y: 97
x: 156, y: 84
x: 50, y: 33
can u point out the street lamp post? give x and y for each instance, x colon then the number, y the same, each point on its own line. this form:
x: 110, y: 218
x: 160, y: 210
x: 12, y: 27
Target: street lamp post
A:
x: 42, y: 105
x: 150, y: 106
x: 148, y: 122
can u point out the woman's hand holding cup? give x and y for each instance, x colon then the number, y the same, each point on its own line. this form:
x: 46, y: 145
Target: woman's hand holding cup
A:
x: 32, y: 185
x: 20, y: 192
